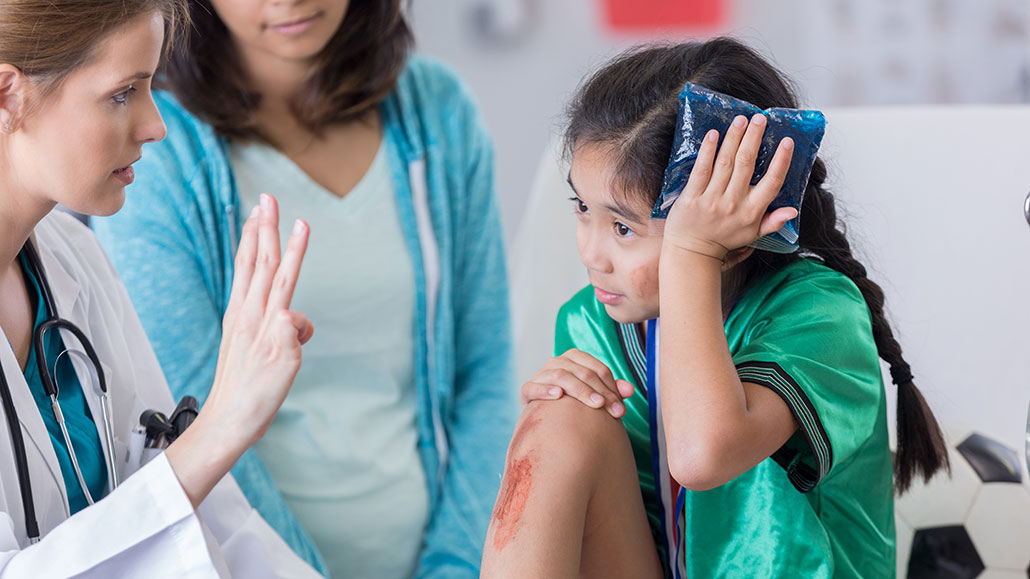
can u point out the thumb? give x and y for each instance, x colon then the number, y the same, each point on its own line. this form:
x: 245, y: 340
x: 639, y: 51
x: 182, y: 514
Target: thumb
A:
x: 775, y: 221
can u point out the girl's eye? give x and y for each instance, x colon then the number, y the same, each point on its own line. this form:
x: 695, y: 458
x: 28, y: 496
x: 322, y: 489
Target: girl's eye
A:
x: 579, y: 205
x: 123, y: 97
x: 622, y: 230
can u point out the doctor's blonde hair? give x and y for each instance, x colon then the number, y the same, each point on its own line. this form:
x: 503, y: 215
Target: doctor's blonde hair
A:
x: 48, y: 39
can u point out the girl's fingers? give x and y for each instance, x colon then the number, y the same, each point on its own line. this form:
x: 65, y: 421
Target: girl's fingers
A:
x: 267, y: 262
x: 243, y: 268
x: 538, y: 391
x: 775, y: 220
x: 765, y: 191
x: 701, y: 173
x: 289, y: 268
x: 625, y: 388
x: 584, y: 385
x: 747, y: 155
x: 586, y: 360
x: 724, y: 159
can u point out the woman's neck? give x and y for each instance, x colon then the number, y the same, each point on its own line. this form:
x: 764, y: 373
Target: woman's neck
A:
x: 19, y: 215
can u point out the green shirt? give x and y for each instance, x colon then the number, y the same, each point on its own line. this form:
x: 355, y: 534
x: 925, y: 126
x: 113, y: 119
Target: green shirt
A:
x: 822, y: 505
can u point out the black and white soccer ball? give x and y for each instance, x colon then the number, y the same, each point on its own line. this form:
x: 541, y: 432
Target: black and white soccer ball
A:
x: 975, y: 524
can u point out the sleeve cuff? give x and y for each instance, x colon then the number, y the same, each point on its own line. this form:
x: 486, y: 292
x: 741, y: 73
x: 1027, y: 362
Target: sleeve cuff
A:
x: 802, y: 475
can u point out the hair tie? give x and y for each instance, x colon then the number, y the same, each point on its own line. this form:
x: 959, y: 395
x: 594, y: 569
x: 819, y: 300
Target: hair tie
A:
x: 901, y: 374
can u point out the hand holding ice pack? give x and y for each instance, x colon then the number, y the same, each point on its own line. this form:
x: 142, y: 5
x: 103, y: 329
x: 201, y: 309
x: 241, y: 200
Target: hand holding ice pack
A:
x: 702, y: 110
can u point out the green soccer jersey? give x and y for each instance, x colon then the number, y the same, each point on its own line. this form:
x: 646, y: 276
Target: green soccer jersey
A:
x: 822, y: 505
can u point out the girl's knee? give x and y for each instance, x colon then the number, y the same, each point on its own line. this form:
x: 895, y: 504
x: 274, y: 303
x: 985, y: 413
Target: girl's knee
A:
x: 565, y: 431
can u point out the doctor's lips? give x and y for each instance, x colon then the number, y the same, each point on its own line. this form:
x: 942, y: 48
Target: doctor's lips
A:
x: 606, y: 297
x: 126, y: 174
x: 295, y: 26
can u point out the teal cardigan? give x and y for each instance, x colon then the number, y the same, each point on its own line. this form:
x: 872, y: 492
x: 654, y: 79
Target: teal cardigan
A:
x: 173, y: 245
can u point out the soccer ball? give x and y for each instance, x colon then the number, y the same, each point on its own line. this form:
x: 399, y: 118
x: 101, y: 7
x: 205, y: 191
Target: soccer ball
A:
x: 974, y: 524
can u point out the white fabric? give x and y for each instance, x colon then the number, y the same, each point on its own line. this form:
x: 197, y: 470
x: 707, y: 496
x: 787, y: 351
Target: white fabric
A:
x: 146, y: 527
x: 343, y: 449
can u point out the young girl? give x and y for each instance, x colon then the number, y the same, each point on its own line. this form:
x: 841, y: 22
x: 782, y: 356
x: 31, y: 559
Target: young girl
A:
x: 757, y: 431
x: 388, y: 449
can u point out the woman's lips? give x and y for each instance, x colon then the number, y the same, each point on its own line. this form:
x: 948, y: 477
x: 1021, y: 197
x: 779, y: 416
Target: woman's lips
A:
x: 607, y: 298
x: 125, y: 174
x: 294, y: 27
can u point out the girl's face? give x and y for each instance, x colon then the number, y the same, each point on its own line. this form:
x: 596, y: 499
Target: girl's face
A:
x: 295, y: 30
x: 613, y: 241
x: 76, y: 146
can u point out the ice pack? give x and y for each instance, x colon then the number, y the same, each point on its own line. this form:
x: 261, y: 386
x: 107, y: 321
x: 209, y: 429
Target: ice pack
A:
x: 702, y: 110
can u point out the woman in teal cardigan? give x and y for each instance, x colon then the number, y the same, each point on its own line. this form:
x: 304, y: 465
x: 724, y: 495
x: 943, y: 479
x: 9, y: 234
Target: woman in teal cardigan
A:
x: 174, y: 241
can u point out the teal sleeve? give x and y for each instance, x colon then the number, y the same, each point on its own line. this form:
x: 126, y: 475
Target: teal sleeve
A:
x: 484, y: 406
x: 811, y: 342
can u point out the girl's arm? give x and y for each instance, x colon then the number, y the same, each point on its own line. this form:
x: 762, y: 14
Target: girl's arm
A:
x: 716, y: 426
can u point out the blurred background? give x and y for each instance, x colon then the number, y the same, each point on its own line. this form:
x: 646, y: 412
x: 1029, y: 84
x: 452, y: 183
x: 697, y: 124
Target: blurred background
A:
x: 523, y: 58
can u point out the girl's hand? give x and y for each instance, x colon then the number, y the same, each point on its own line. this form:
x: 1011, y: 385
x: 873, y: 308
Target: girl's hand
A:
x: 259, y: 355
x: 581, y: 376
x: 718, y: 210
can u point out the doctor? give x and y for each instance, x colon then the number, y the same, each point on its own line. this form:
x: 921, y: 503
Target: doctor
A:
x: 75, y: 110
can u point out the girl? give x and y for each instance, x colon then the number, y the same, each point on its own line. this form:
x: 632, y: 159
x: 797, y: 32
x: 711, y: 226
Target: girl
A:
x: 389, y: 449
x: 75, y: 110
x: 757, y: 434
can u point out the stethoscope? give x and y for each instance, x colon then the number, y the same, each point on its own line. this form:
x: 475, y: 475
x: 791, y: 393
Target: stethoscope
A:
x: 53, y: 322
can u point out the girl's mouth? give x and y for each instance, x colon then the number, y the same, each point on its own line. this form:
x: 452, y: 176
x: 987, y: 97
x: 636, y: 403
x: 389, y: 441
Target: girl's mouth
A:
x: 606, y: 297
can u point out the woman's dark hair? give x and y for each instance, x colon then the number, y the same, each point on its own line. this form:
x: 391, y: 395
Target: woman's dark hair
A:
x: 631, y: 106
x: 353, y: 73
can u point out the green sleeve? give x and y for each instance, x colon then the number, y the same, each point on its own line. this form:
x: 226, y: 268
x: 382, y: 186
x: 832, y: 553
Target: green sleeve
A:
x: 811, y: 342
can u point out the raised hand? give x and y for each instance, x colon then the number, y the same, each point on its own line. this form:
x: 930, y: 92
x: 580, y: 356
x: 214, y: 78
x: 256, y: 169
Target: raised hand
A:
x: 719, y: 210
x: 259, y: 356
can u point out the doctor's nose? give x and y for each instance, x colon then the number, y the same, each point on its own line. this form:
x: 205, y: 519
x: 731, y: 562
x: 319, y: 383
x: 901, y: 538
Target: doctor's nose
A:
x: 150, y: 127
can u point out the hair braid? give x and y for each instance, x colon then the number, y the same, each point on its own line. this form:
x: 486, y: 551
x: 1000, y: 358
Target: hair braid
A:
x: 920, y: 445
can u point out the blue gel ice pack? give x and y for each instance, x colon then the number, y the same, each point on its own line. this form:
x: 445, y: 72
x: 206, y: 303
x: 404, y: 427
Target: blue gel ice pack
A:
x: 702, y: 110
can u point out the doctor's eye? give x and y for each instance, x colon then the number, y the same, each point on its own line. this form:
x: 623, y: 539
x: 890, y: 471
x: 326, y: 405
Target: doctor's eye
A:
x: 123, y: 97
x: 579, y: 206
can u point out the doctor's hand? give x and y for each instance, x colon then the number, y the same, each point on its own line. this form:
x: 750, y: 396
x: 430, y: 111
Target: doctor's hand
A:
x: 582, y: 377
x: 258, y: 359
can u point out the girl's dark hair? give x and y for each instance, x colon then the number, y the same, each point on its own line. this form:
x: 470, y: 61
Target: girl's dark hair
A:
x: 352, y: 75
x: 631, y: 107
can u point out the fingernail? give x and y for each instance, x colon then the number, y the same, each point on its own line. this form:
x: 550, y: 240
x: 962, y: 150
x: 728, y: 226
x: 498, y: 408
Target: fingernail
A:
x: 554, y: 392
x: 266, y: 202
x: 758, y: 119
x: 255, y: 211
x: 617, y: 408
x: 713, y: 135
x: 298, y: 227
x: 740, y: 121
x: 597, y: 398
x: 787, y: 143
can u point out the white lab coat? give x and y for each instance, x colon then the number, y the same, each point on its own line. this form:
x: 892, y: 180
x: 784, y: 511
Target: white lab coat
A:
x: 146, y: 527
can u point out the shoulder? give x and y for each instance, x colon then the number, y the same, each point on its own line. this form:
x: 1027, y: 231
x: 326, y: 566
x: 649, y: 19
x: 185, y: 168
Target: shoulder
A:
x: 806, y: 284
x: 73, y: 245
x: 431, y: 84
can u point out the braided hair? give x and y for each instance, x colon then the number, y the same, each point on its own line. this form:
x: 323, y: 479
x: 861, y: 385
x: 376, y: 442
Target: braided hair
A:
x: 631, y: 105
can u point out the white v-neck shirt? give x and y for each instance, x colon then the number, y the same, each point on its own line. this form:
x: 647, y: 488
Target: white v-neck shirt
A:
x: 343, y: 448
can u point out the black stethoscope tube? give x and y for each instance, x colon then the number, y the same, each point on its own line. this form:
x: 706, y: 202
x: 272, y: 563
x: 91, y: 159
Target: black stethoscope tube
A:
x: 49, y: 385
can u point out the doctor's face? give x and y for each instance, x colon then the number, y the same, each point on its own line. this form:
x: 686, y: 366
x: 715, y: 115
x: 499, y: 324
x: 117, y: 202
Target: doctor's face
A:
x: 76, y: 146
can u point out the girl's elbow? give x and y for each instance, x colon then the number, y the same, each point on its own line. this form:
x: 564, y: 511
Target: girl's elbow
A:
x: 698, y: 468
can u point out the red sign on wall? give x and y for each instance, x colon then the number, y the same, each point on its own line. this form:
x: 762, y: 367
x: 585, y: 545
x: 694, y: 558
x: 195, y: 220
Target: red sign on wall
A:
x: 636, y: 15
